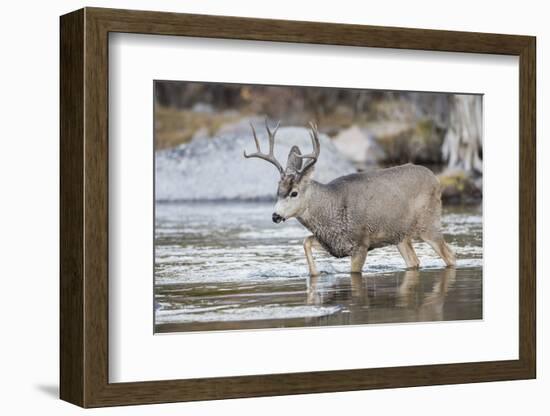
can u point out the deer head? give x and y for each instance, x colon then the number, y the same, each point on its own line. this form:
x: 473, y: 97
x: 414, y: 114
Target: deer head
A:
x: 292, y: 191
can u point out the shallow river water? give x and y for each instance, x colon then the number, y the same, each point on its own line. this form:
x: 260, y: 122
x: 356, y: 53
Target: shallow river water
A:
x: 222, y: 266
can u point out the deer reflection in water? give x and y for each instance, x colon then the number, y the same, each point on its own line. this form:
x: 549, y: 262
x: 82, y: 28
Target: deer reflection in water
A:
x: 408, y: 296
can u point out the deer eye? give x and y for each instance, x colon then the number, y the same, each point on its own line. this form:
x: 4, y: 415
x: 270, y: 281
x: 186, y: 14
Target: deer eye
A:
x: 293, y: 194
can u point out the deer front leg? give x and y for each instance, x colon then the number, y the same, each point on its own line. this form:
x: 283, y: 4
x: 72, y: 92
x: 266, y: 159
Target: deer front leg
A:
x: 310, y: 242
x: 358, y: 260
x: 409, y: 255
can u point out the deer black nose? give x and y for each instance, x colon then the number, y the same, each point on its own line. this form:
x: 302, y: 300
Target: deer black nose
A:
x: 276, y: 218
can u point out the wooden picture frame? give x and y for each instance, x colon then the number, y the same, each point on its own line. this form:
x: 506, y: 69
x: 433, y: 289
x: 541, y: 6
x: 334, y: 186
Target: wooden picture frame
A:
x: 84, y: 207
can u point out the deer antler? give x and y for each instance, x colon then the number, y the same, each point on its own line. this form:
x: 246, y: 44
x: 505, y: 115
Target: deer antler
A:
x: 270, y: 156
x: 314, y: 155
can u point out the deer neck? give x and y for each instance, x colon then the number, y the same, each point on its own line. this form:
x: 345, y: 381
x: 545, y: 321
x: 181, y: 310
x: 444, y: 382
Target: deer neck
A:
x: 328, y: 220
x: 319, y: 207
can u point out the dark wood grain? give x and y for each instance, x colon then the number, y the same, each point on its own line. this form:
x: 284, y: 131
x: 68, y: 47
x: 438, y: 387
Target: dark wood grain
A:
x: 227, y: 27
x: 84, y: 207
x: 71, y: 184
x: 96, y: 208
x: 527, y: 207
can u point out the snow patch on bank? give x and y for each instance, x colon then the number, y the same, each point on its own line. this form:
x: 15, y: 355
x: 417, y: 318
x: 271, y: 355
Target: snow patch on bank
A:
x: 215, y: 168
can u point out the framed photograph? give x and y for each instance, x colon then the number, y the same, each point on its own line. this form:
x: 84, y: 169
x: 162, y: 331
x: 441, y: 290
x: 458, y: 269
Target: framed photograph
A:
x: 257, y: 207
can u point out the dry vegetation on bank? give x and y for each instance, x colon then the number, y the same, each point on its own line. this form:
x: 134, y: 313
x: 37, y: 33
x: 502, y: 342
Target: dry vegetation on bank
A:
x: 371, y: 128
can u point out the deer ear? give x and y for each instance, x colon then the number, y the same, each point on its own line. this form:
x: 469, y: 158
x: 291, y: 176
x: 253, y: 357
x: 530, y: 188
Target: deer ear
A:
x: 306, y: 174
x: 294, y: 164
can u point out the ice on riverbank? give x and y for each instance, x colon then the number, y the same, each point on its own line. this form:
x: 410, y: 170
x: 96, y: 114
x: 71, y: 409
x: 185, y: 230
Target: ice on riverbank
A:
x: 215, y: 169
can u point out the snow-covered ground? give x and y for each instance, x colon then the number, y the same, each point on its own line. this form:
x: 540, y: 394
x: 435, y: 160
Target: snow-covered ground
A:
x: 215, y: 168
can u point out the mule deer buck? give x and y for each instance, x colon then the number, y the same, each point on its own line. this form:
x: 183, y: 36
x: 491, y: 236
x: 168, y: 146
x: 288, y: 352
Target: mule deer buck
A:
x: 356, y: 213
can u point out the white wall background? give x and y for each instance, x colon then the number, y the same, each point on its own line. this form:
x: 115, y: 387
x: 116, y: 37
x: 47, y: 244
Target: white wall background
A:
x: 29, y: 158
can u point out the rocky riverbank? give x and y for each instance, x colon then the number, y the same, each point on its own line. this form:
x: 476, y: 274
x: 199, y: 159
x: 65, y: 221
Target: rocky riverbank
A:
x: 199, y: 148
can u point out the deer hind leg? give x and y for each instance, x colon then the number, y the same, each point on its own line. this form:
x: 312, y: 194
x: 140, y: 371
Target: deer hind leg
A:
x: 406, y: 249
x: 310, y: 242
x: 358, y: 260
x: 437, y: 242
